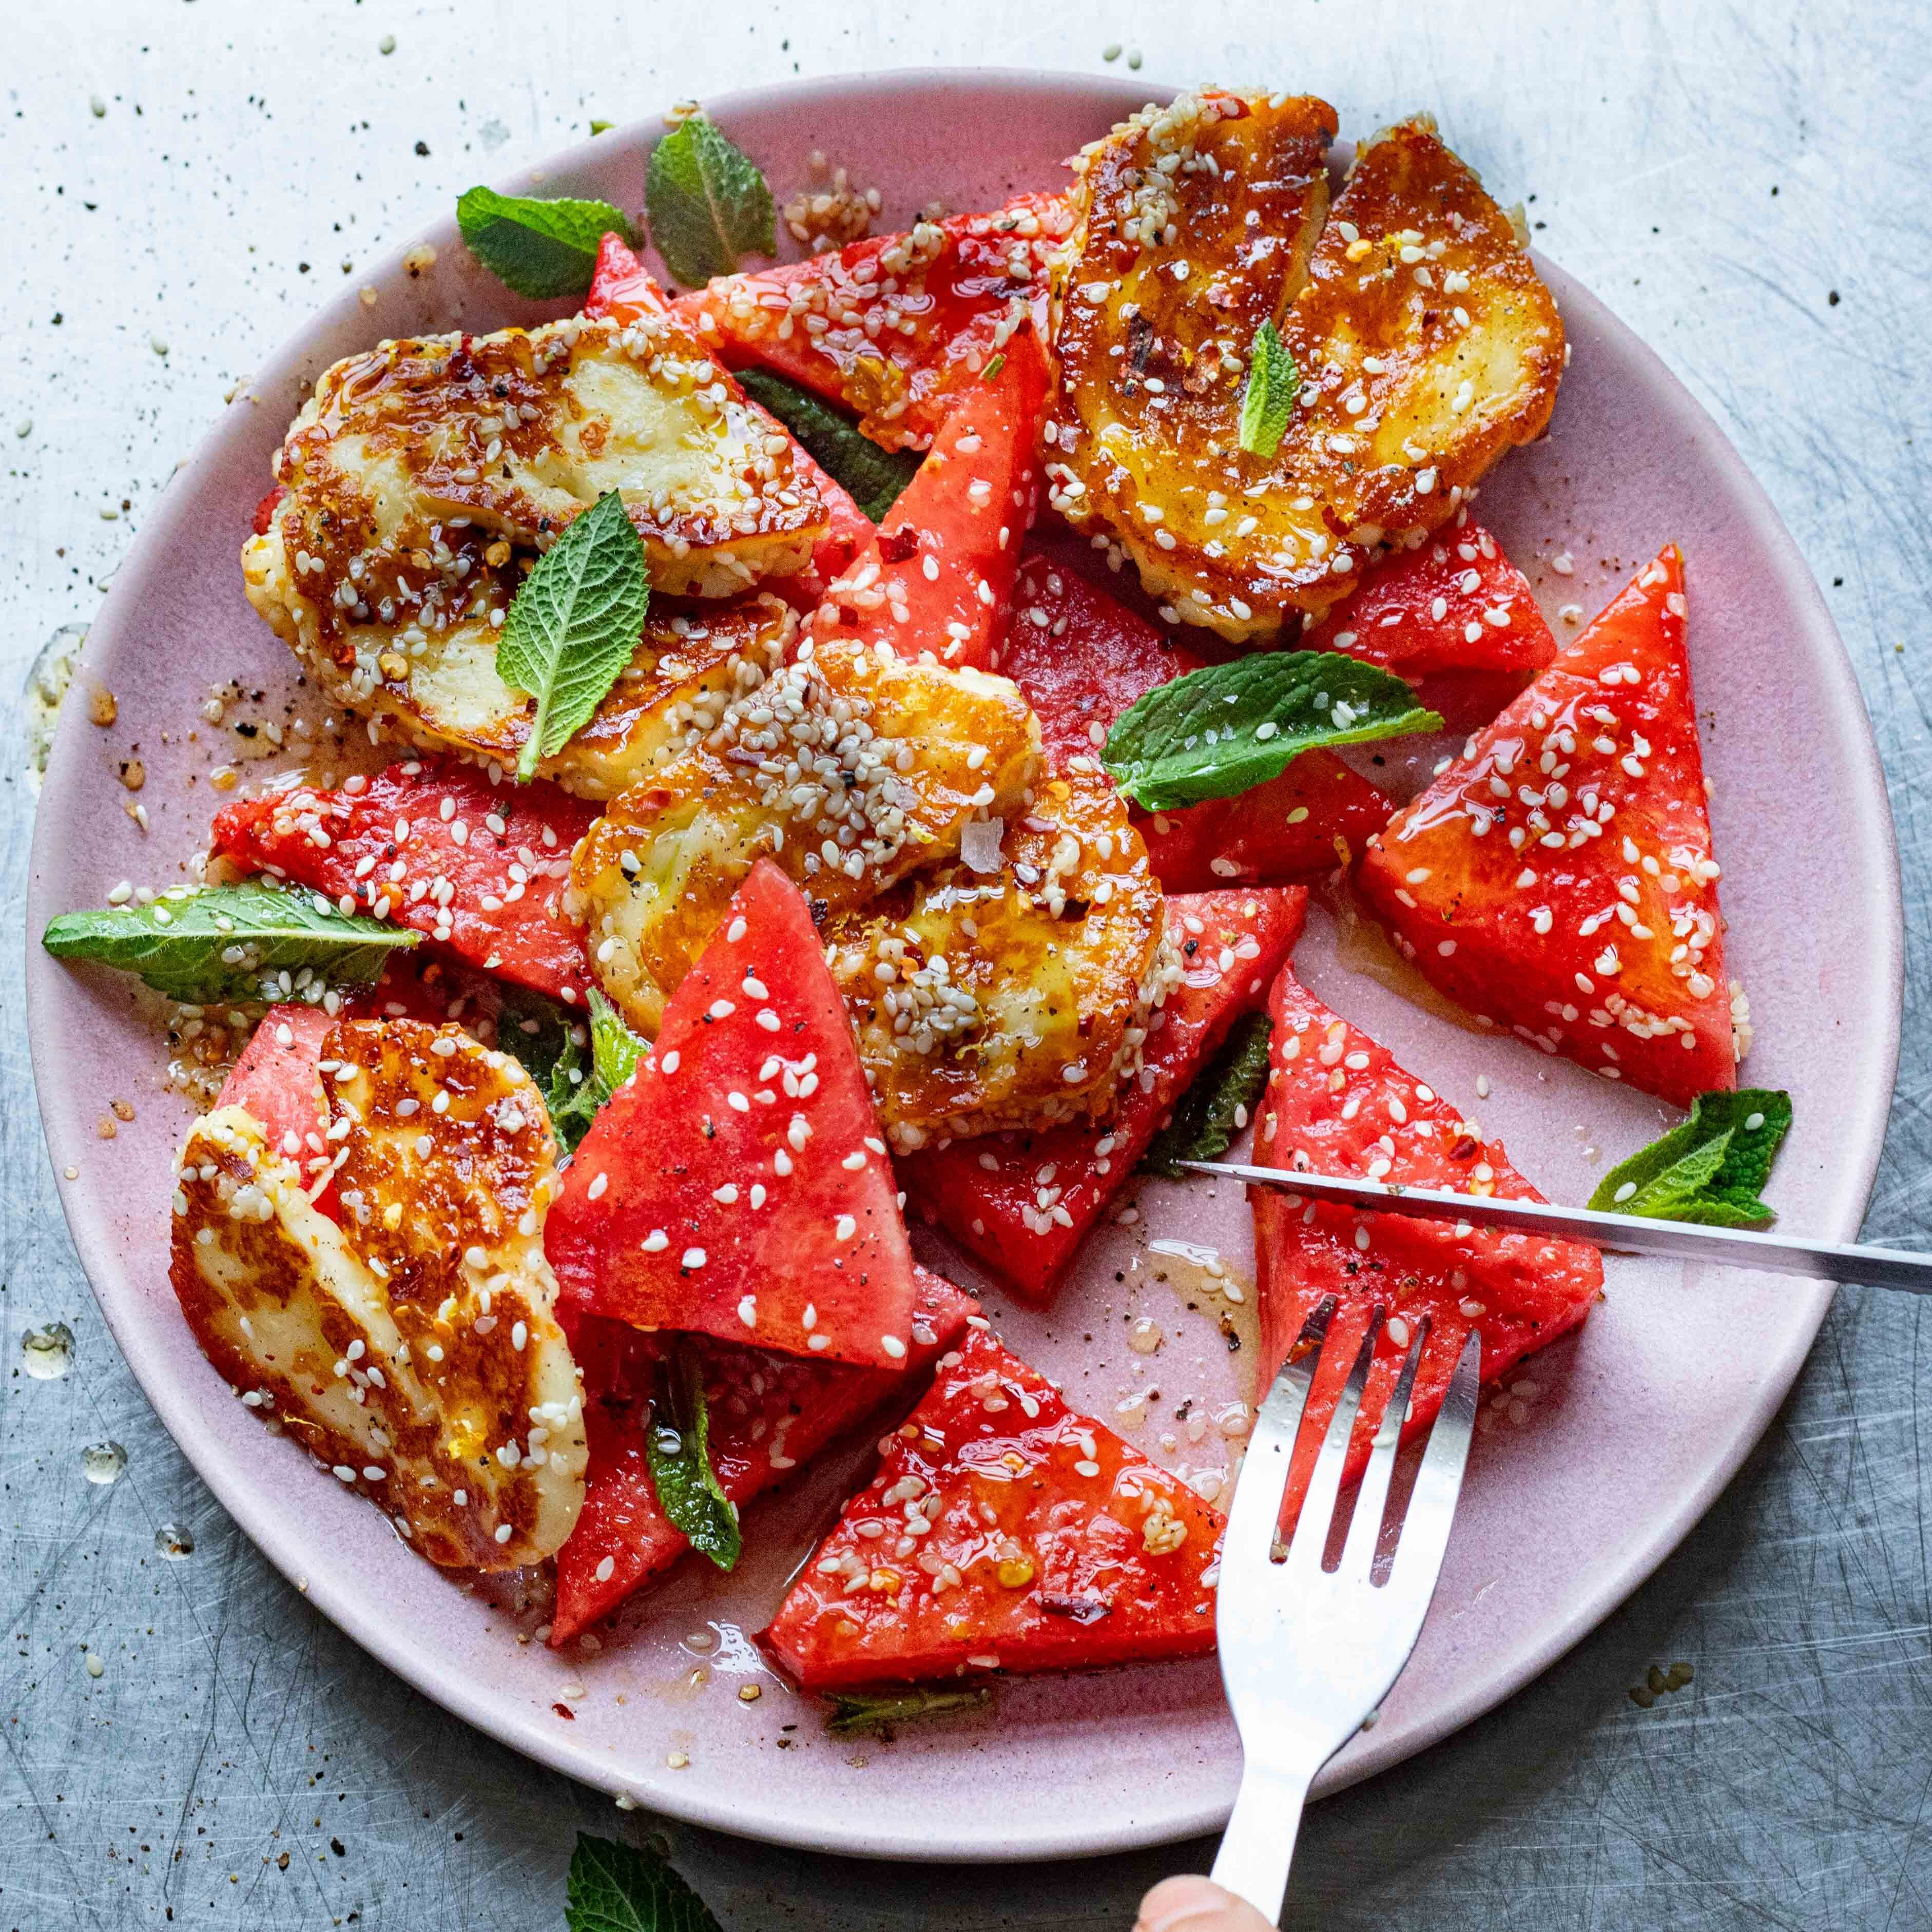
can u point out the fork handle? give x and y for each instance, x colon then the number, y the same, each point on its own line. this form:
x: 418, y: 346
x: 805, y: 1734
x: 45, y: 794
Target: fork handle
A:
x: 1259, y: 1842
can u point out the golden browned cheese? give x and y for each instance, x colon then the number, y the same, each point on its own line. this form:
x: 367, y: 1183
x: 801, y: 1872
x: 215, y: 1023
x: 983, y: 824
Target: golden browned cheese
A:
x: 1426, y: 343
x: 693, y: 660
x: 425, y: 477
x: 1015, y: 992
x: 850, y: 768
x: 413, y: 1349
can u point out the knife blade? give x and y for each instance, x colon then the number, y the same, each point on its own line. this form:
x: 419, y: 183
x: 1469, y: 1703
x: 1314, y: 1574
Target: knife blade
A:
x: 1627, y: 1234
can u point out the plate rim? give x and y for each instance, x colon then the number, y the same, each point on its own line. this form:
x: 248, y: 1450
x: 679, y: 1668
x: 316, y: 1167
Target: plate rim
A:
x: 412, y: 1659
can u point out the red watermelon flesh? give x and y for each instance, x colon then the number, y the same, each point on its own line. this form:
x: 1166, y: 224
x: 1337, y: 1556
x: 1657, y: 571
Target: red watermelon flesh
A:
x: 737, y: 1185
x: 278, y: 1082
x: 1082, y: 658
x: 1558, y: 879
x: 433, y: 845
x: 1010, y: 1533
x: 896, y: 326
x: 938, y: 577
x: 1456, y: 603
x: 1021, y: 1204
x: 1337, y: 1103
x: 768, y: 1414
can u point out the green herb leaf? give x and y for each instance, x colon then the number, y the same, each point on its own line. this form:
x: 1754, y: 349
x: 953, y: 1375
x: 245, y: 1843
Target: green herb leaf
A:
x: 580, y: 1089
x: 1710, y: 1168
x: 1273, y: 383
x: 574, y: 625
x: 617, y: 1888
x: 1222, y: 731
x: 226, y: 942
x: 676, y: 1444
x: 991, y: 371
x: 615, y: 1050
x: 708, y: 203
x: 571, y: 1095
x: 863, y: 1713
x: 874, y: 477
x: 540, y: 1031
x: 541, y: 248
x: 601, y: 127
x: 1205, y: 1120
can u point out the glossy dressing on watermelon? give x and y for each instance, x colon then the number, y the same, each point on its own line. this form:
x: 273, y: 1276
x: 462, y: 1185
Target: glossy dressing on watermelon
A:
x: 1003, y: 1531
x: 768, y: 1415
x: 1337, y: 1103
x: 1454, y: 617
x: 1558, y: 879
x: 479, y: 869
x: 938, y: 578
x: 738, y: 1185
x: 1082, y: 658
x: 1020, y: 1203
x: 893, y: 327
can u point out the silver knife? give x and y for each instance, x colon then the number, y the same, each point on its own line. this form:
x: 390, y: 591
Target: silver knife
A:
x: 1631, y: 1234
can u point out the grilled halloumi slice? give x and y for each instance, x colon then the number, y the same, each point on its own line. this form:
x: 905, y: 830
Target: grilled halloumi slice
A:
x: 1014, y: 992
x: 1426, y: 343
x: 851, y: 767
x: 424, y: 476
x: 413, y: 1348
x: 691, y: 663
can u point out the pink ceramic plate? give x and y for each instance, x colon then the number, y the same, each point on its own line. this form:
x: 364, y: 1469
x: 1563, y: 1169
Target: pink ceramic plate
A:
x: 1621, y: 1438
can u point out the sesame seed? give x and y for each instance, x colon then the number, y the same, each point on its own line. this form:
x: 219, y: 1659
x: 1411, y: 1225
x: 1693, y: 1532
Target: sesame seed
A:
x: 692, y: 1258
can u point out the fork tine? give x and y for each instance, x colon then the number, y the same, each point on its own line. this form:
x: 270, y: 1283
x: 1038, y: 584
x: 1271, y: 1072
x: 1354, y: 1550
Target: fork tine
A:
x: 1432, y: 1504
x: 1318, y: 1507
x: 1358, y: 1553
x: 1248, y: 1539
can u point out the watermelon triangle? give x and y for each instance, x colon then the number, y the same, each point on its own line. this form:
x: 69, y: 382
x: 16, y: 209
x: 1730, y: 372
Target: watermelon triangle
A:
x: 938, y: 578
x: 768, y: 1414
x: 1050, y: 1544
x: 1557, y: 880
x: 896, y: 326
x: 1021, y: 1204
x: 737, y: 1185
x: 479, y: 868
x: 1337, y: 1103
x: 1081, y: 657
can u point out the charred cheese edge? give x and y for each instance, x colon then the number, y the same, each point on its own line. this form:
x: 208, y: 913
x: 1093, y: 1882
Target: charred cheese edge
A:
x: 852, y: 768
x: 1018, y: 995
x: 413, y: 1350
x: 424, y: 477
x: 1426, y: 342
x: 691, y: 663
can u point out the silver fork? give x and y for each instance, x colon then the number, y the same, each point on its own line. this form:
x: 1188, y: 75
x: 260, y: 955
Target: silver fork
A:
x: 1307, y: 1653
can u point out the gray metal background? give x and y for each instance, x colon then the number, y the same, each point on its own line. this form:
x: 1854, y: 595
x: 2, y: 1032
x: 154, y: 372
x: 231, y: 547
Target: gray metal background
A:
x: 1747, y: 186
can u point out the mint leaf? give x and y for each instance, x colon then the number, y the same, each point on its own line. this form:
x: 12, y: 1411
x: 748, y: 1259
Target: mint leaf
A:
x: 570, y: 1096
x: 541, y: 248
x: 677, y: 1446
x: 574, y: 624
x: 577, y: 1090
x: 1274, y: 382
x: 1710, y: 1169
x: 1222, y: 731
x: 1219, y: 1103
x: 860, y: 1713
x: 874, y: 477
x: 615, y: 1050
x: 229, y: 942
x: 616, y: 1887
x: 708, y: 203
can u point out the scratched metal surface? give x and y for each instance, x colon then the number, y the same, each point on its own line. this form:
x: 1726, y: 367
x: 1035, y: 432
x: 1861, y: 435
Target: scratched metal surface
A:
x: 1743, y: 184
